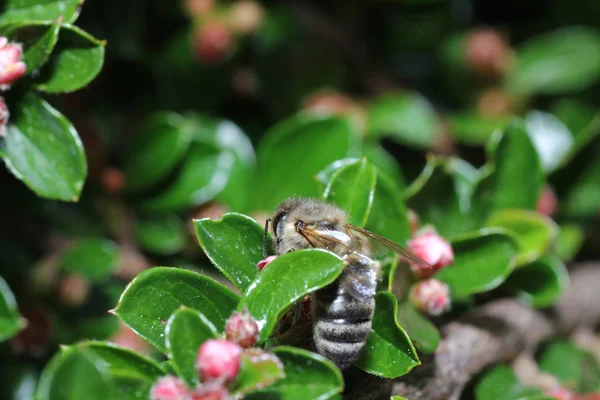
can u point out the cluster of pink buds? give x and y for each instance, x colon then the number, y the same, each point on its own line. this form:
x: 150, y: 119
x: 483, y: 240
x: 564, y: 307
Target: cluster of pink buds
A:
x: 11, y: 69
x: 262, y: 264
x: 432, y: 248
x: 431, y: 297
x: 217, y: 363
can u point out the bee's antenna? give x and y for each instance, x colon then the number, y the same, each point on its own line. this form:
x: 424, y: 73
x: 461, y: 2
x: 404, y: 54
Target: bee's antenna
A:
x: 265, y: 237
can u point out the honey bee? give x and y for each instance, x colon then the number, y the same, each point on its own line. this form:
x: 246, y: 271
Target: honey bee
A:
x: 343, y: 310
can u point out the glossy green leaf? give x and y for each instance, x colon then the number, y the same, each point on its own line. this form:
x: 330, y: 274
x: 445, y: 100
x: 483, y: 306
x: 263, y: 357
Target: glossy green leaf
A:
x: 501, y: 383
x: 158, y: 146
x: 473, y: 128
x: 405, y: 117
x: 514, y: 178
x: 352, y: 188
x: 286, y: 280
x: 93, y: 258
x: 201, y: 178
x: 482, y: 261
x: 551, y: 138
x: 37, y: 38
x: 10, y: 320
x: 575, y: 368
x: 565, y: 60
x: 43, y: 150
x: 307, y: 376
x: 388, y: 352
x: 569, y: 241
x: 324, y: 176
x: 40, y: 10
x: 541, y: 282
x: 385, y: 163
x: 583, y: 199
x: 421, y: 331
x: 389, y: 216
x: 152, y: 297
x: 258, y: 369
x: 185, y: 331
x: 131, y: 374
x: 294, y: 151
x: 438, y: 199
x: 534, y: 232
x: 234, y: 245
x: 76, y: 61
x: 582, y: 120
x: 73, y: 375
x: 161, y: 235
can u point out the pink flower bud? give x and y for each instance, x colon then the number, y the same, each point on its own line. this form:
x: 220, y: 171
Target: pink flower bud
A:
x: 73, y: 290
x: 169, y: 388
x: 11, y: 66
x: 218, y: 360
x: 262, y: 264
x: 430, y: 296
x: 4, y: 114
x: 432, y: 248
x: 561, y: 393
x: 547, y: 202
x: 246, y: 16
x: 211, y: 391
x: 213, y: 42
x: 242, y: 329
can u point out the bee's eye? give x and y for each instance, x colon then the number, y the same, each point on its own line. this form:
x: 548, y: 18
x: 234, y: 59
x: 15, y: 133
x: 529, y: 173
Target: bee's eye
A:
x: 279, y: 218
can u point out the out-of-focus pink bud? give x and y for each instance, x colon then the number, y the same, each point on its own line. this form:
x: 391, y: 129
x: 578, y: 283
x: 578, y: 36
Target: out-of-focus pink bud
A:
x: 213, y: 42
x: 561, y: 393
x: 169, y: 388
x: 488, y: 53
x: 218, y: 360
x: 127, y: 338
x: 432, y: 248
x: 413, y: 221
x: 245, y: 16
x: 113, y: 180
x: 211, y: 391
x: 11, y: 66
x: 328, y: 102
x: 4, y: 114
x: 262, y: 264
x: 430, y: 296
x: 198, y: 7
x: 547, y: 202
x: 494, y: 103
x: 73, y: 290
x: 242, y: 329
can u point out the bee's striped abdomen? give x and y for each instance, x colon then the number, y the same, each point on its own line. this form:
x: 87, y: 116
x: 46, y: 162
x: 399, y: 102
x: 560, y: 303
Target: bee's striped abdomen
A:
x: 342, y: 324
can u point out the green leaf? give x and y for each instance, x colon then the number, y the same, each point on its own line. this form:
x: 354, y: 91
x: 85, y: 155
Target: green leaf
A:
x: 582, y: 119
x: 551, y: 138
x: 43, y: 150
x: 131, y: 374
x: 160, y: 235
x: 154, y: 295
x: 398, y: 398
x: 385, y: 163
x: 568, y: 242
x: 388, y: 352
x: 10, y: 320
x: 294, y: 151
x: 37, y: 38
x: 75, y: 375
x: 420, y: 330
x: 540, y: 283
x: 534, y: 232
x: 482, y: 261
x: 352, y: 188
x: 307, y: 376
x: 287, y: 279
x: 565, y: 60
x: 437, y: 196
x: 326, y: 174
x: 40, y: 10
x: 515, y: 177
x: 158, y: 146
x: 75, y: 62
x: 502, y: 384
x: 473, y: 128
x: 406, y: 117
x: 258, y: 369
x: 583, y: 199
x: 186, y: 330
x: 388, y: 216
x: 93, y: 258
x: 575, y: 368
x: 234, y: 245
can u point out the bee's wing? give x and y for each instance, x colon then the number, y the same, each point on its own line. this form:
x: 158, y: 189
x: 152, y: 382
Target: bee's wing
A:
x: 316, y: 239
x: 360, y: 277
x: 403, y: 252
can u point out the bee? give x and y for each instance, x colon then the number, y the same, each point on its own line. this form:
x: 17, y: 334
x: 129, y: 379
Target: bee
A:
x: 342, y: 311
